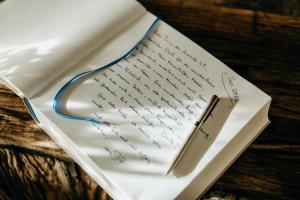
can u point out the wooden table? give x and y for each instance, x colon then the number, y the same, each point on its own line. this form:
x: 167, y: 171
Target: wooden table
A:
x: 259, y: 39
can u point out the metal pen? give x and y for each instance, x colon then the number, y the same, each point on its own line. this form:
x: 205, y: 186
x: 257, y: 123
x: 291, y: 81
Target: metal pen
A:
x: 202, y: 118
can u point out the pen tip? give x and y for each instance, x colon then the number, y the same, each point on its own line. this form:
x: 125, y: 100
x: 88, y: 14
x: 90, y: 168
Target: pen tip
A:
x: 168, y: 172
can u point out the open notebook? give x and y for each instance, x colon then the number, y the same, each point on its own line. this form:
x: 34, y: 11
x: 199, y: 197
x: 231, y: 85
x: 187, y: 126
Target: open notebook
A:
x: 147, y: 103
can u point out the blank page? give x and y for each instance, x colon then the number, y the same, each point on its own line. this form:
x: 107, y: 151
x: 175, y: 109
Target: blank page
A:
x: 42, y: 39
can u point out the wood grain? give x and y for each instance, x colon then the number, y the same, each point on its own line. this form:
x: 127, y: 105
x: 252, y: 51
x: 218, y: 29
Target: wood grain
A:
x: 22, y: 177
x: 258, y: 39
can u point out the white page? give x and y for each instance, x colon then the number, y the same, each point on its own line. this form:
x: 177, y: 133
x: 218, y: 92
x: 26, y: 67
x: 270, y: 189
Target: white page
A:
x: 40, y: 39
x: 233, y: 149
x: 240, y: 101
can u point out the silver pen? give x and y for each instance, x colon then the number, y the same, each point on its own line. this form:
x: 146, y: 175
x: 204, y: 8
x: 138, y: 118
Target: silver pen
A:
x: 202, y: 118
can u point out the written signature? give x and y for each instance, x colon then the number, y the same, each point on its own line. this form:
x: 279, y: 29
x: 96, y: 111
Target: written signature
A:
x: 230, y: 88
x: 115, y: 155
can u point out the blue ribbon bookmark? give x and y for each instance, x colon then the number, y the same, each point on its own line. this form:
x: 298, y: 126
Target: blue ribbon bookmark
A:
x: 57, y: 99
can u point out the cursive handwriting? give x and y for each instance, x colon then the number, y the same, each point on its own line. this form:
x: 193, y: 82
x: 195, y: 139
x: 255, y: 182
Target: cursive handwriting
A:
x: 153, y: 95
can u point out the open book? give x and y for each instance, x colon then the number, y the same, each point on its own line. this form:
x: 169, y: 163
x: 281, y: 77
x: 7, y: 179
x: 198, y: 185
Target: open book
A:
x: 147, y: 103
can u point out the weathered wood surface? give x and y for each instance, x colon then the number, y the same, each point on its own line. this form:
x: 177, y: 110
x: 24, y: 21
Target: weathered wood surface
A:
x: 259, y: 39
x: 55, y: 179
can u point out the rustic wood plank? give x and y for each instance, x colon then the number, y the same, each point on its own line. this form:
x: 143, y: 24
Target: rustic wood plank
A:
x: 18, y: 128
x: 29, y: 176
x: 282, y: 7
x: 261, y: 46
x: 260, y: 174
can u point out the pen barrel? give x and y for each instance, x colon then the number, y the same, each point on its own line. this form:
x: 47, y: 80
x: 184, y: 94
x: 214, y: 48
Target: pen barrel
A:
x: 209, y: 108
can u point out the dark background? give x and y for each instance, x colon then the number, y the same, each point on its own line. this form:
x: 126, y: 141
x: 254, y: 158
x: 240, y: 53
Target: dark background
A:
x: 258, y: 39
